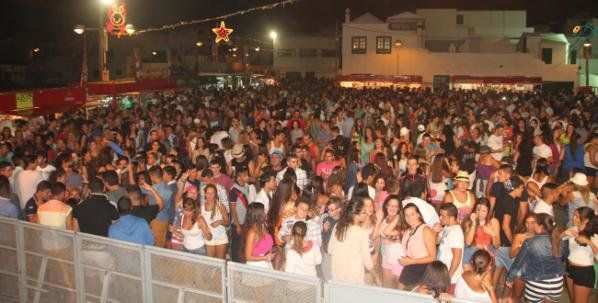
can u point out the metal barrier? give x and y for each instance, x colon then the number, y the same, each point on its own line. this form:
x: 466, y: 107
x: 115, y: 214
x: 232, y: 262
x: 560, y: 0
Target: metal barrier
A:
x: 248, y: 283
x: 337, y: 292
x: 43, y: 264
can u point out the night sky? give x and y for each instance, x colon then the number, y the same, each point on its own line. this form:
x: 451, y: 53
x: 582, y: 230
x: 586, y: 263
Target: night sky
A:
x: 27, y: 23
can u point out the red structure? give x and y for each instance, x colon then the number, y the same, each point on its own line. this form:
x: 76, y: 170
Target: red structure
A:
x: 55, y: 100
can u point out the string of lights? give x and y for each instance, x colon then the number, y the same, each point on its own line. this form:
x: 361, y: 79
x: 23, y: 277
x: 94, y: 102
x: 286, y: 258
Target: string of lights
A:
x: 198, y: 21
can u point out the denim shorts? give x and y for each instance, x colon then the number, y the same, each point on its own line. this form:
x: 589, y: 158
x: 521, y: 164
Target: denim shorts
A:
x: 501, y: 257
x: 200, y: 251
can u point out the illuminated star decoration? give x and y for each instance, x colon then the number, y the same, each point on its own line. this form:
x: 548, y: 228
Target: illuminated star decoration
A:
x: 222, y: 32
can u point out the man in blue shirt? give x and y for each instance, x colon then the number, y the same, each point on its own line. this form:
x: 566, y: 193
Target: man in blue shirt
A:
x: 159, y: 225
x: 7, y: 208
x: 130, y: 228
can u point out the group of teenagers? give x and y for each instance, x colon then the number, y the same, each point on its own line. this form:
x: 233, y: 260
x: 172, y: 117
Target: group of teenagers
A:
x: 457, y: 194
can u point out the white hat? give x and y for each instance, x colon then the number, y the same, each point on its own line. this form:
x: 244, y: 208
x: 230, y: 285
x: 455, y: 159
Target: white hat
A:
x: 196, y: 121
x: 421, y: 127
x: 579, y: 179
x: 404, y: 131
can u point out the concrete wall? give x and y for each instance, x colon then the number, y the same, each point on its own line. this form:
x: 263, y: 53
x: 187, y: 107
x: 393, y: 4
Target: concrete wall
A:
x: 412, y: 61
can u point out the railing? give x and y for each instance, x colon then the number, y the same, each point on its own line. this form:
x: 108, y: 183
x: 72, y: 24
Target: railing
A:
x: 43, y: 264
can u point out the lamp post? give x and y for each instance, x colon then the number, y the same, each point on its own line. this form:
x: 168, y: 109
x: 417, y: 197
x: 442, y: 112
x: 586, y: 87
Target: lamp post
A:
x: 103, y: 45
x: 397, y: 45
x: 587, y: 49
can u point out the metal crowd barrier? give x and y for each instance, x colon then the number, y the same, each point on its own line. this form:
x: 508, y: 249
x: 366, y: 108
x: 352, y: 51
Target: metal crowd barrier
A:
x: 43, y: 264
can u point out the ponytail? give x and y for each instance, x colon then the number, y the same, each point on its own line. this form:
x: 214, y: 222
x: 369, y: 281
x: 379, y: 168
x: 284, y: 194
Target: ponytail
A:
x: 299, y: 231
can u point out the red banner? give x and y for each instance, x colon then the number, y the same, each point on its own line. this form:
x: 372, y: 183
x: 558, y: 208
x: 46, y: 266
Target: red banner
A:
x: 122, y: 87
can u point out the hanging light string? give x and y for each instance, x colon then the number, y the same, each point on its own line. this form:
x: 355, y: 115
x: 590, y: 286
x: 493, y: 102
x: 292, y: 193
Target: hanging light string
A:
x: 192, y: 22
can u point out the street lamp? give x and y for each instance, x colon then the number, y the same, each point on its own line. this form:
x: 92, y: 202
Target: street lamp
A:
x: 199, y: 44
x: 107, y: 2
x: 129, y: 29
x: 273, y: 35
x: 79, y: 29
x: 587, y: 45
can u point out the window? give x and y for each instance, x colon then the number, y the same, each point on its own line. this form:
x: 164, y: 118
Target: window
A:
x: 383, y: 45
x: 359, y: 45
x: 573, y: 56
x: 328, y: 53
x: 547, y: 55
x: 308, y: 52
x: 459, y: 19
x: 286, y: 53
x: 403, y: 26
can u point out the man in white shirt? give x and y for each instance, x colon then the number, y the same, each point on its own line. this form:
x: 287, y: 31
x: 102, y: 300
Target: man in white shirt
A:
x: 42, y: 165
x: 27, y: 180
x: 450, y: 241
x: 415, y: 194
x: 293, y: 163
x: 264, y: 196
x: 495, y: 142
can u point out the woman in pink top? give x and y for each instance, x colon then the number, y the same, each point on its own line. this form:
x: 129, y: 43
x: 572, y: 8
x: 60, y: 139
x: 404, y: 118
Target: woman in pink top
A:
x: 256, y: 244
x: 419, y: 245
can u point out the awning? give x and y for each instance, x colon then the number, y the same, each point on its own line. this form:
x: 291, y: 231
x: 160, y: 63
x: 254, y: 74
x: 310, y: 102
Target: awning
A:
x: 42, y: 102
x: 380, y: 78
x: 496, y: 79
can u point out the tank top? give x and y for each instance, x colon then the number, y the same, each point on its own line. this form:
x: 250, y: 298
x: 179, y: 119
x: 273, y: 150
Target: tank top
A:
x: 463, y: 208
x: 481, y: 237
x: 218, y: 232
x: 438, y: 190
x: 193, y: 237
x: 464, y: 292
x: 263, y: 245
x: 273, y: 148
x: 414, y: 244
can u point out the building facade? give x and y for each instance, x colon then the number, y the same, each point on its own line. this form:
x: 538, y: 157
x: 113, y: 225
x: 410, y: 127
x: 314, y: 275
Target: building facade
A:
x: 306, y: 56
x: 437, y: 45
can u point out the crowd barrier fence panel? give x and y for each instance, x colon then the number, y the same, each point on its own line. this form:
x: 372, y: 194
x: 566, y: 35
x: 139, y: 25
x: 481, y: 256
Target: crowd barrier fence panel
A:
x: 338, y: 292
x: 10, y: 278
x: 247, y: 283
x: 183, y: 277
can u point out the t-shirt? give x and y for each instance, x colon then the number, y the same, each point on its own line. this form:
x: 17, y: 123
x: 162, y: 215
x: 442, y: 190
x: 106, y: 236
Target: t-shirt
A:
x: 31, y: 207
x: 324, y: 169
x: 495, y: 142
x: 27, y: 184
x: 95, y: 215
x: 451, y: 237
x: 147, y: 212
x: 506, y: 205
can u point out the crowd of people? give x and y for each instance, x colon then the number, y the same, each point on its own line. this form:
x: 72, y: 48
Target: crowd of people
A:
x: 482, y: 196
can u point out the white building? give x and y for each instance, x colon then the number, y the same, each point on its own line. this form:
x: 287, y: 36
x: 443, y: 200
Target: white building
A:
x: 306, y: 56
x: 577, y: 51
x: 494, y: 48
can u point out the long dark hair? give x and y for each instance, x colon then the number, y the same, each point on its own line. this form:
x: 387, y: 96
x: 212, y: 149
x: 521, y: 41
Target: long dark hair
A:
x: 256, y: 216
x: 298, y: 232
x: 481, y: 261
x: 436, y: 279
x: 283, y: 193
x: 549, y: 225
x: 352, y: 208
x: 402, y: 225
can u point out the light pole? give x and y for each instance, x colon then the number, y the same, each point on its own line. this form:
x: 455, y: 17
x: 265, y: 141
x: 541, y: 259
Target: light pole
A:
x: 103, y: 45
x: 273, y: 35
x: 398, y: 45
x: 587, y: 49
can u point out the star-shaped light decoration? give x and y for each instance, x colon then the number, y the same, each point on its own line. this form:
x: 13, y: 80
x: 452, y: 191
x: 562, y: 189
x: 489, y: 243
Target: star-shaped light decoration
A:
x: 222, y: 32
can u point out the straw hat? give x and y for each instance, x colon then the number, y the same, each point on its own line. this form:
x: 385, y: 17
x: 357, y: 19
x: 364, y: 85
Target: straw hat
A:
x: 238, y: 151
x: 462, y: 176
x: 579, y: 179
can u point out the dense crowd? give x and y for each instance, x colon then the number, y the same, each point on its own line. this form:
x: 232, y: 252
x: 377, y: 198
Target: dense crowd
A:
x: 466, y: 194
